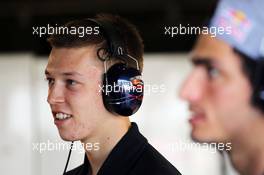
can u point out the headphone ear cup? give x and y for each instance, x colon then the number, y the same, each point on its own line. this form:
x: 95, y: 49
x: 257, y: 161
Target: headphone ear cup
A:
x: 123, y: 90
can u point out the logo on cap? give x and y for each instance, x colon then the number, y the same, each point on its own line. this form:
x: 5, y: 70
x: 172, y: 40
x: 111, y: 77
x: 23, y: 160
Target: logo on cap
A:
x: 238, y: 21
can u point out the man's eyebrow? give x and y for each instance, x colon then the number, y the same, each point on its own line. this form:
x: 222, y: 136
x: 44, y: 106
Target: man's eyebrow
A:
x: 72, y: 73
x: 207, y: 62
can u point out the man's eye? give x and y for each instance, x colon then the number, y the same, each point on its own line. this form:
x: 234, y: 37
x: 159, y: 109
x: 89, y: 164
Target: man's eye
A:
x: 50, y: 80
x: 70, y: 82
x: 213, y: 72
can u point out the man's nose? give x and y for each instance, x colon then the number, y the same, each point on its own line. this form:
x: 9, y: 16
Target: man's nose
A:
x: 194, y: 87
x: 55, y: 95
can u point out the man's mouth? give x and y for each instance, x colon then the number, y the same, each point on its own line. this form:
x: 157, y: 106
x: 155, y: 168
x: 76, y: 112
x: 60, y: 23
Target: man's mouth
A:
x: 62, y: 116
x: 197, y: 116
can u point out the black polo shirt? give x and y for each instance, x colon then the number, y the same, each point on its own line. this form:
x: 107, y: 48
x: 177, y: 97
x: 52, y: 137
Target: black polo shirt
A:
x: 132, y: 155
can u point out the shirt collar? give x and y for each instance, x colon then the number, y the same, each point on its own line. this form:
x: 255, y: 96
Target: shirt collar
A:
x: 123, y: 156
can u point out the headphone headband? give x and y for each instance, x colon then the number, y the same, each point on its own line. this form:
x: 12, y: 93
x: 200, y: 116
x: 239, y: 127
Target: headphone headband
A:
x: 116, y: 45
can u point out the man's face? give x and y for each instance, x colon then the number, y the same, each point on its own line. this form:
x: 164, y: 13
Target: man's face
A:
x: 217, y: 91
x: 74, y: 76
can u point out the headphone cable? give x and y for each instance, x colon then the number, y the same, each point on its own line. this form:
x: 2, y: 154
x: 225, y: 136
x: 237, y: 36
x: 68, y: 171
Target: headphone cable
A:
x: 69, y: 155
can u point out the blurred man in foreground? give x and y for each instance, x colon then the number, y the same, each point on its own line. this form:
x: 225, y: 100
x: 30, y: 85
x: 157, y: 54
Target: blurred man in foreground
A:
x: 225, y: 89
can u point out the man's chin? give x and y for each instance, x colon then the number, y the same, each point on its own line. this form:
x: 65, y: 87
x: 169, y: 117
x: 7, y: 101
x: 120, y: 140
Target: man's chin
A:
x: 203, y: 137
x: 67, y: 137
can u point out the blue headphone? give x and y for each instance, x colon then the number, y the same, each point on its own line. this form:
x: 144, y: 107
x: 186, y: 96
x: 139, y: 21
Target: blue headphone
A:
x: 123, y: 88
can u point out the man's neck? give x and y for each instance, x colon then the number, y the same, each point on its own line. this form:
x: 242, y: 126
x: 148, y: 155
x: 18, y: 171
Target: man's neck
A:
x: 109, y: 134
x: 247, y: 154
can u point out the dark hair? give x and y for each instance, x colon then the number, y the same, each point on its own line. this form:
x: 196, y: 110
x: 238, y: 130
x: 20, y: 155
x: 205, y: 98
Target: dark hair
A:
x: 254, y: 70
x: 248, y: 66
x: 131, y: 37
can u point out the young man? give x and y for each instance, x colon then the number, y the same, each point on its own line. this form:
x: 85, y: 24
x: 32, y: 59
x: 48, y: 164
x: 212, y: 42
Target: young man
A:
x: 225, y: 88
x: 75, y: 76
